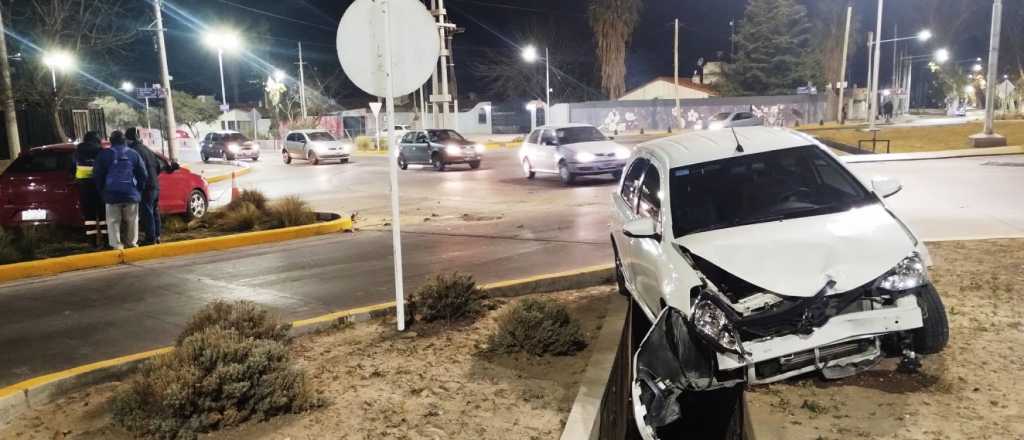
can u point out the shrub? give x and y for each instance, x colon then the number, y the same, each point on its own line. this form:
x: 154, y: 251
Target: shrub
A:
x: 369, y: 143
x: 216, y: 378
x: 291, y: 211
x: 251, y: 196
x: 243, y: 217
x: 448, y: 297
x: 244, y: 317
x: 174, y: 224
x: 538, y: 328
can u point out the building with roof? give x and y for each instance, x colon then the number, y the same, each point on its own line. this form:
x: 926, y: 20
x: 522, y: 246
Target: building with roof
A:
x: 664, y: 87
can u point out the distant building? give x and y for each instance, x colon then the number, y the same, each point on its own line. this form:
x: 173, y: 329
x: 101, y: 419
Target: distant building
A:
x: 712, y: 73
x: 664, y: 87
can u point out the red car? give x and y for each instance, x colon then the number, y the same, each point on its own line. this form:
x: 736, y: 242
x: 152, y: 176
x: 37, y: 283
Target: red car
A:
x: 39, y: 188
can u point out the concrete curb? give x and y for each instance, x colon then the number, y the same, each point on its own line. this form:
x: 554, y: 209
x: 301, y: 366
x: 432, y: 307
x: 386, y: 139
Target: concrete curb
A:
x: 23, y: 396
x: 53, y: 266
x: 227, y: 176
x: 945, y: 154
x: 585, y: 415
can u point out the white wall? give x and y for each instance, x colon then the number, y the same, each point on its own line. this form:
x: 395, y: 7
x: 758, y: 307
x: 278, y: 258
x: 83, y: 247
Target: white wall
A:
x: 662, y: 90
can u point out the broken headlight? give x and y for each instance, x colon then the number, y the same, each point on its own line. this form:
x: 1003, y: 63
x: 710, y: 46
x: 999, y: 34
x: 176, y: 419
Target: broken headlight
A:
x: 714, y: 325
x: 908, y: 274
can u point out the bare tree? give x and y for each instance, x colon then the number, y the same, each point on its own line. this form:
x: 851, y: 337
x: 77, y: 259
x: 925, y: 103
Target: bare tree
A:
x: 613, y: 22
x: 95, y: 32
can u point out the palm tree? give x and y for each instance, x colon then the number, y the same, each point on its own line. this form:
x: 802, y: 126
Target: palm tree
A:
x: 613, y: 22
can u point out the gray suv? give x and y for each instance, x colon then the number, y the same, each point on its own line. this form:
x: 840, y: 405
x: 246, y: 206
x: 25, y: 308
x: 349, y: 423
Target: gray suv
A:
x: 438, y: 148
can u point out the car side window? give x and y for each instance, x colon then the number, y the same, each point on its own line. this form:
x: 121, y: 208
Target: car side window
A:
x: 215, y: 137
x: 421, y: 138
x: 549, y: 138
x: 650, y: 194
x: 407, y: 138
x: 631, y: 181
x: 534, y: 137
x: 290, y: 138
x: 742, y: 116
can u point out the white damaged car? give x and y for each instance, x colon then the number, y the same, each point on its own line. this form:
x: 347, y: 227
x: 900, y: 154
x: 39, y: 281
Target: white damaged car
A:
x: 756, y: 255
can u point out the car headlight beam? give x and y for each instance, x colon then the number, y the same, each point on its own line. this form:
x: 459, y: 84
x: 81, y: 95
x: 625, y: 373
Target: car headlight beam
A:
x: 453, y: 150
x: 480, y: 148
x: 909, y: 273
x: 233, y: 147
x: 622, y: 153
x: 584, y: 156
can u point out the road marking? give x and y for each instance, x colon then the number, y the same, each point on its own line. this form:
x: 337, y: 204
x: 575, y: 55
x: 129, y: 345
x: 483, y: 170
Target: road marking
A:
x: 60, y: 375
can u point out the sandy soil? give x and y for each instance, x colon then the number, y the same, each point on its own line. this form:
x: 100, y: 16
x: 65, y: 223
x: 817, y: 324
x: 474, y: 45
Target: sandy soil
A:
x: 430, y: 383
x: 973, y: 390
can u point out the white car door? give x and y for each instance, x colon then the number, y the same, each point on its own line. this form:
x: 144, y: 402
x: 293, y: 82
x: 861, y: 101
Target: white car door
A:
x: 647, y: 254
x: 548, y: 151
x: 529, y: 148
x: 624, y: 202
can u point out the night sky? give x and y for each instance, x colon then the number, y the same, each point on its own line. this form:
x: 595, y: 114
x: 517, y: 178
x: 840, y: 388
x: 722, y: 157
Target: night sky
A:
x: 272, y: 27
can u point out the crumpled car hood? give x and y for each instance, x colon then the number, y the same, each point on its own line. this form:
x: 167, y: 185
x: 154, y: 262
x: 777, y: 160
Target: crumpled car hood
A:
x: 797, y: 257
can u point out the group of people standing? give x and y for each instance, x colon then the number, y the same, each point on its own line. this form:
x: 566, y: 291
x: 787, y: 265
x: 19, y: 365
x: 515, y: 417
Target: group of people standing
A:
x: 121, y: 185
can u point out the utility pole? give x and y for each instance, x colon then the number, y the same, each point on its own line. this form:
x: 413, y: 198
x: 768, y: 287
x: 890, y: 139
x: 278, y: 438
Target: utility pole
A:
x: 302, y: 84
x: 989, y: 138
x: 871, y: 58
x: 442, y: 28
x: 547, y: 85
x: 895, y: 44
x: 675, y: 63
x: 878, y: 58
x: 841, y: 116
x: 10, y: 112
x: 165, y: 80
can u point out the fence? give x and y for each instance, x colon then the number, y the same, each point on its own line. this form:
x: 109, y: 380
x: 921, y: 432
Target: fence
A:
x: 660, y: 114
x: 35, y: 127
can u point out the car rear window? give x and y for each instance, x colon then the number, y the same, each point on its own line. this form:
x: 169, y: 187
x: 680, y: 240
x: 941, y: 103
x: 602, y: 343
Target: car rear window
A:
x: 42, y: 162
x: 235, y: 137
x: 320, y: 136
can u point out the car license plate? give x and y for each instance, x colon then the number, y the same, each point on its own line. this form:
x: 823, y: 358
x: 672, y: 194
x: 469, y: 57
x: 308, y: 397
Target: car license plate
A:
x: 30, y: 215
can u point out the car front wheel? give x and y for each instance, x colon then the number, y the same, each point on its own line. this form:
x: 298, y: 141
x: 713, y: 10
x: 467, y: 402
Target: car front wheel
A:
x: 932, y: 337
x: 528, y: 169
x: 438, y: 162
x: 197, y: 204
x: 475, y: 164
x: 286, y: 157
x: 565, y: 175
x: 313, y: 158
x: 402, y: 163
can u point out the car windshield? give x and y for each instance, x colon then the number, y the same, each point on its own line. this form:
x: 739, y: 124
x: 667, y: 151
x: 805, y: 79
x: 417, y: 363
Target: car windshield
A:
x: 776, y: 185
x: 42, y: 162
x: 320, y: 136
x: 575, y: 135
x: 721, y: 116
x: 445, y: 136
x: 235, y: 137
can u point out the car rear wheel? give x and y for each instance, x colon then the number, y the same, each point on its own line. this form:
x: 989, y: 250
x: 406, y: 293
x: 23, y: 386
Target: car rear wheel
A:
x: 197, y: 204
x: 255, y: 158
x: 617, y: 175
x: 204, y: 156
x: 528, y: 169
x: 565, y: 175
x: 286, y: 157
x: 620, y: 277
x: 438, y: 162
x: 313, y: 158
x: 402, y: 163
x: 475, y: 164
x: 933, y: 336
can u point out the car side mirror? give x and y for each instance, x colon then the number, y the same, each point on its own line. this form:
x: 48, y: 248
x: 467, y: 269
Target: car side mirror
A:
x: 641, y: 228
x: 885, y: 186
x: 174, y: 166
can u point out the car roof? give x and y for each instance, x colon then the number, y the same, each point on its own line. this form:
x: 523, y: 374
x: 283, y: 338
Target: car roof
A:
x: 62, y: 148
x: 705, y: 146
x: 225, y: 132
x: 557, y: 126
x: 310, y: 130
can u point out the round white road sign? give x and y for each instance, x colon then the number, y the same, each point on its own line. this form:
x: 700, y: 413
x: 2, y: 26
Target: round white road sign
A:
x: 415, y: 45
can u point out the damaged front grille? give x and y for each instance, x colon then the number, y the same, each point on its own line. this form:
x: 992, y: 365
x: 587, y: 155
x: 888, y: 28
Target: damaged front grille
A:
x: 798, y: 315
x: 796, y: 361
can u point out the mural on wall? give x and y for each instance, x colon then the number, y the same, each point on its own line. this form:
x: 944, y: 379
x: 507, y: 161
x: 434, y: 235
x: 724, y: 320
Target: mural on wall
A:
x: 631, y: 116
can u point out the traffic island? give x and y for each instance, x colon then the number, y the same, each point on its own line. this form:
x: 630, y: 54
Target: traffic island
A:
x: 970, y: 390
x: 436, y: 380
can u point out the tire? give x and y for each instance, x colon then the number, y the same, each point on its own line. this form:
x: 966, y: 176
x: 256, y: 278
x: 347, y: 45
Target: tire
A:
x: 617, y: 175
x: 286, y: 157
x: 313, y: 159
x: 528, y: 169
x: 474, y: 164
x: 229, y: 157
x: 205, y: 157
x: 256, y: 159
x: 620, y: 277
x: 565, y: 175
x: 438, y: 162
x: 345, y: 160
x: 402, y: 163
x: 197, y: 205
x: 933, y: 336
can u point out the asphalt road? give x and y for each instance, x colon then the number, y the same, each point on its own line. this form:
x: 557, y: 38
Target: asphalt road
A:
x: 491, y: 223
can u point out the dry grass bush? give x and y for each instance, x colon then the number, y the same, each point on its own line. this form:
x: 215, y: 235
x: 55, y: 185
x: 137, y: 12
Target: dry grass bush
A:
x: 216, y: 378
x: 244, y: 317
x: 251, y: 196
x: 243, y: 217
x: 9, y: 247
x: 538, y: 327
x: 290, y: 211
x: 448, y: 297
x: 173, y: 224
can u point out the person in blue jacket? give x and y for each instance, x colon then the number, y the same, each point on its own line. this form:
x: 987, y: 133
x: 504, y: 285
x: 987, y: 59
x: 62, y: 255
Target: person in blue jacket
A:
x: 120, y: 176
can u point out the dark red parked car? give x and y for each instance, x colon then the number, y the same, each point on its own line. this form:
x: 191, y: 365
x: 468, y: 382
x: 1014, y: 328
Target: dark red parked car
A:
x: 39, y: 188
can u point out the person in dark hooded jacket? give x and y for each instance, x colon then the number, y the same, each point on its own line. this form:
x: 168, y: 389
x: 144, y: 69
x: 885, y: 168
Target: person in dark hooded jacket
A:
x: 149, y: 211
x: 89, y: 200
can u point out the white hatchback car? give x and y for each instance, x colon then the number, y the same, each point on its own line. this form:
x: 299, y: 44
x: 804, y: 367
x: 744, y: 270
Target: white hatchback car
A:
x: 571, y: 150
x: 315, y: 146
x: 759, y: 256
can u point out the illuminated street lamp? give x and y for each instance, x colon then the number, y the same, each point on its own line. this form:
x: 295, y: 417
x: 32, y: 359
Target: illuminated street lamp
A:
x: 279, y: 75
x: 530, y: 55
x: 976, y: 68
x: 127, y: 87
x: 924, y: 35
x: 58, y: 60
x: 942, y: 55
x: 222, y: 40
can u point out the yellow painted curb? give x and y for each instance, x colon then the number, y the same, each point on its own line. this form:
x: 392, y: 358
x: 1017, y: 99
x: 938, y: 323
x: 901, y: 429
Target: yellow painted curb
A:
x: 370, y: 153
x: 60, y: 375
x: 223, y: 177
x: 502, y: 145
x: 568, y: 273
x: 53, y: 266
x: 342, y: 314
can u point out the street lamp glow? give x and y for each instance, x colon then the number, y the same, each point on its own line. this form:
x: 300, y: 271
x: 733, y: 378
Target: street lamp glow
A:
x: 59, y: 60
x: 942, y: 55
x: 223, y: 40
x: 976, y: 68
x: 924, y: 35
x: 886, y: 92
x: 278, y: 75
x: 969, y: 89
x: 530, y: 54
x: 127, y: 86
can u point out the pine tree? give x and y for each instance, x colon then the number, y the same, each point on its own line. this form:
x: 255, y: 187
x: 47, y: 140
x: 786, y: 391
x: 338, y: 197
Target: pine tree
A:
x: 772, y: 46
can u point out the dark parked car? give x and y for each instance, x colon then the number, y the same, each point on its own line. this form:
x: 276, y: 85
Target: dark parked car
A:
x: 438, y: 148
x: 39, y: 188
x: 228, y: 145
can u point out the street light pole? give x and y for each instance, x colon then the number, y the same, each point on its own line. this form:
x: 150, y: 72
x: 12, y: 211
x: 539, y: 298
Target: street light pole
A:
x: 988, y: 138
x: 223, y: 91
x: 10, y: 112
x: 875, y: 68
x: 841, y: 117
x: 675, y: 71
x: 165, y: 80
x: 302, y: 83
x: 547, y: 85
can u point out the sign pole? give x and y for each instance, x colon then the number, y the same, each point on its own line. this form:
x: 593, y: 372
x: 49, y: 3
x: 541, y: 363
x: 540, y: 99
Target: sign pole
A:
x: 396, y: 220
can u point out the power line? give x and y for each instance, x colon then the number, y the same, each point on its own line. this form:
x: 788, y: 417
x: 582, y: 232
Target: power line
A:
x: 518, y: 8
x: 281, y: 17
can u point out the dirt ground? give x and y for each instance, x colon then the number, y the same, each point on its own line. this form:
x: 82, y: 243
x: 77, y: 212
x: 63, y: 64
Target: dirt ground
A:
x: 972, y: 390
x: 925, y: 138
x: 428, y: 383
